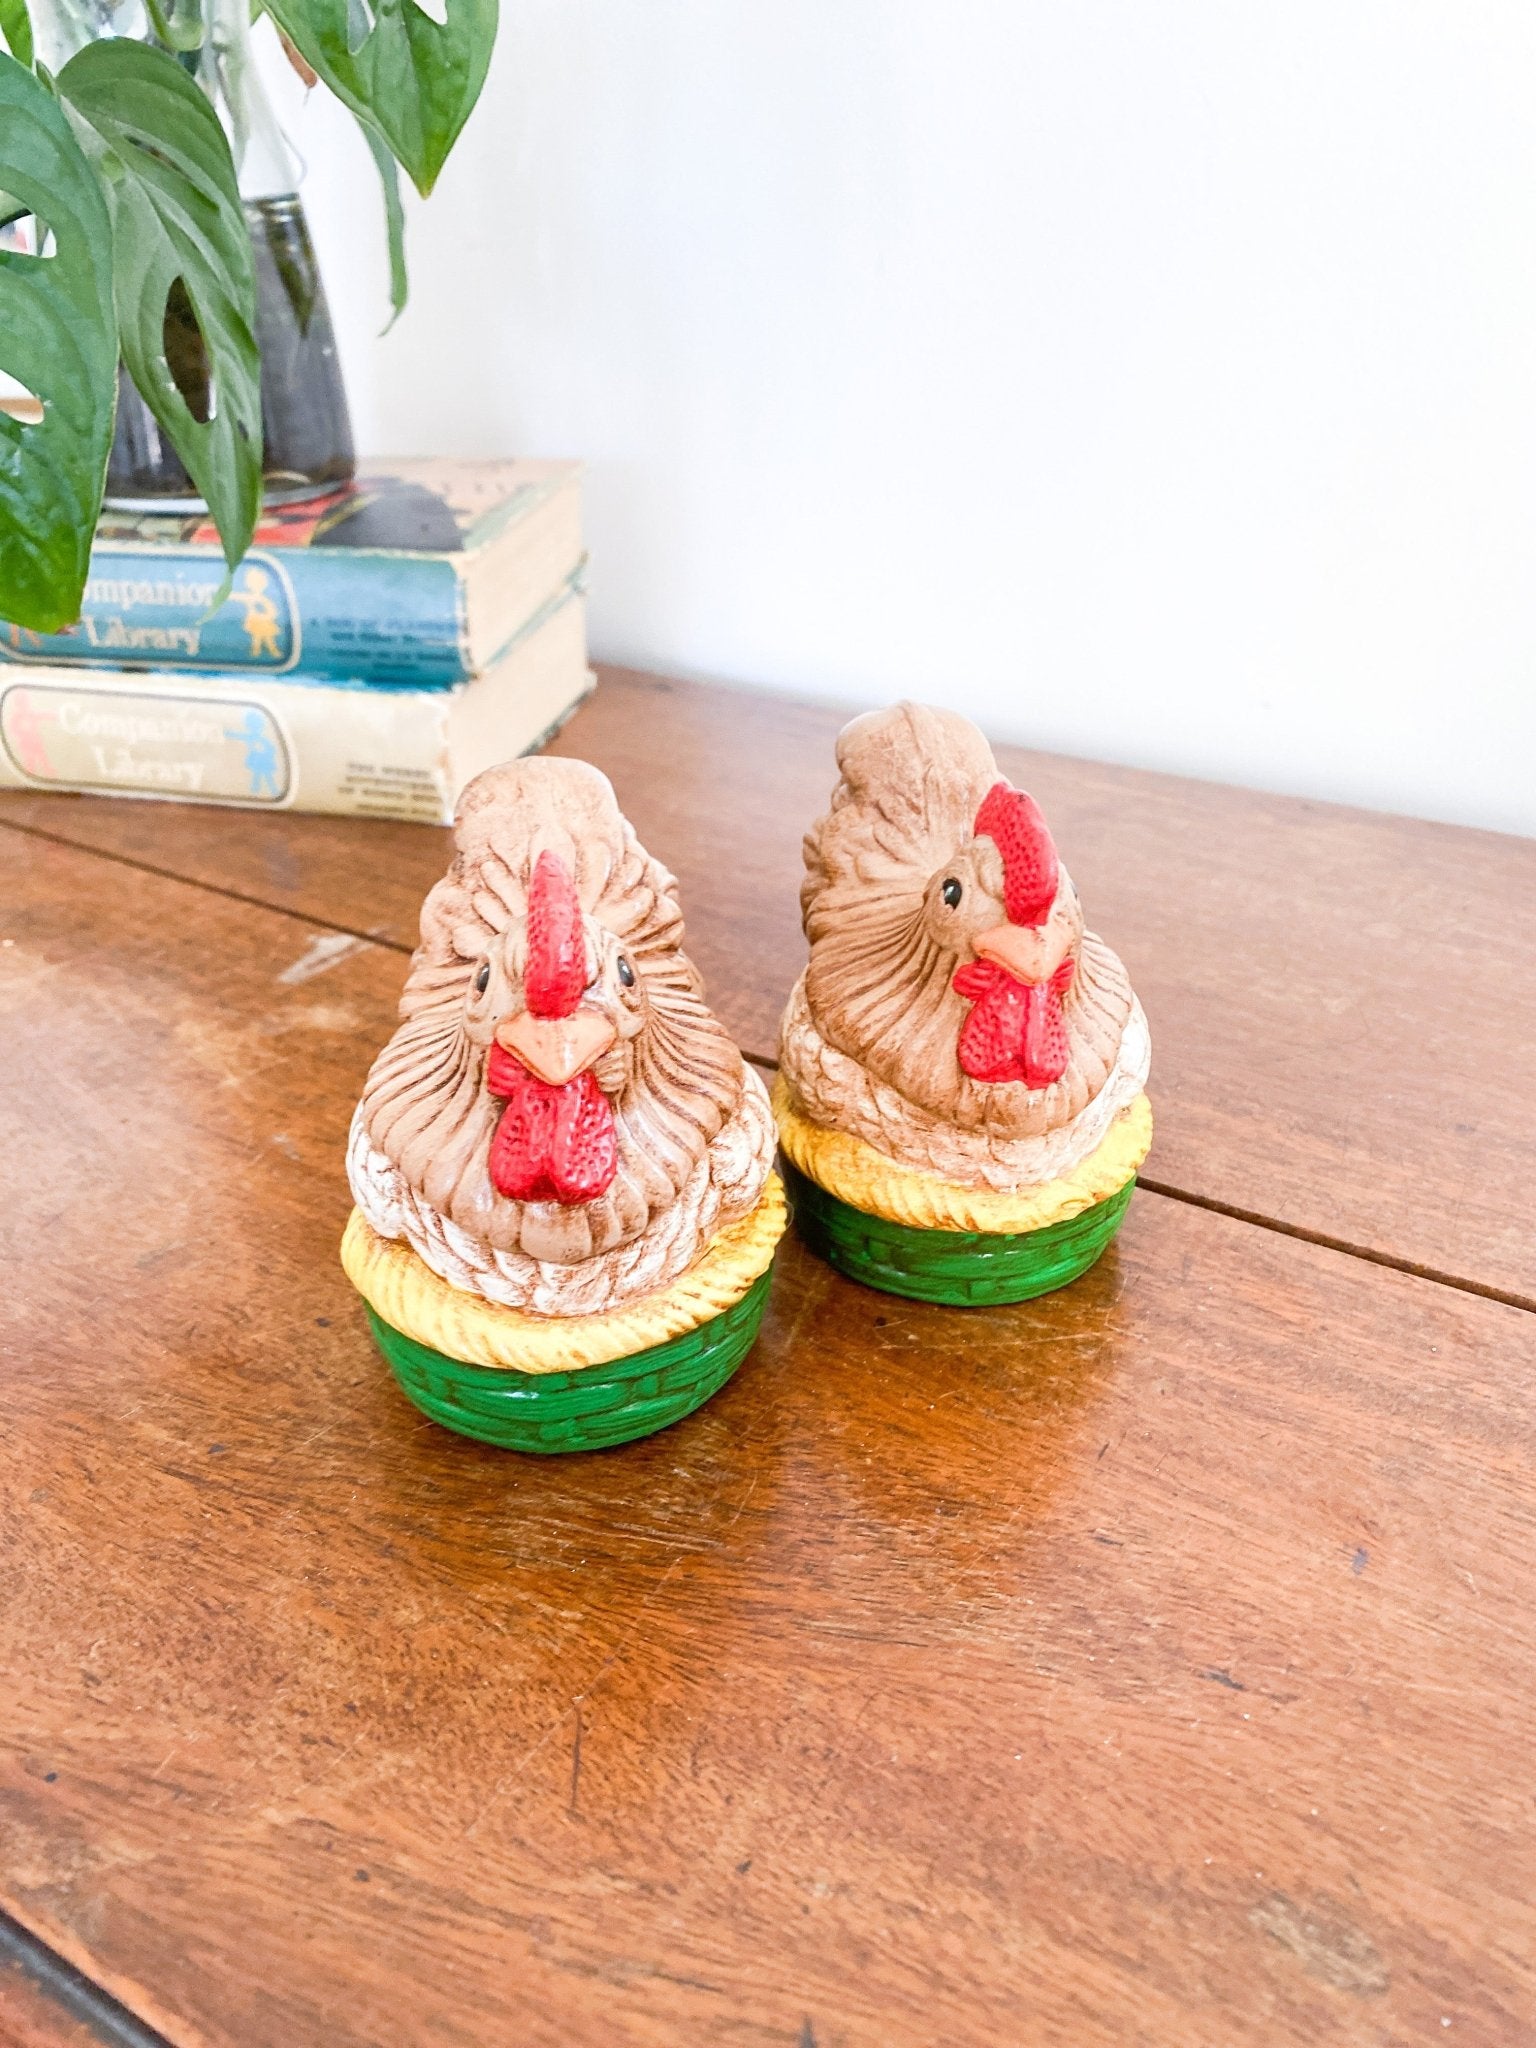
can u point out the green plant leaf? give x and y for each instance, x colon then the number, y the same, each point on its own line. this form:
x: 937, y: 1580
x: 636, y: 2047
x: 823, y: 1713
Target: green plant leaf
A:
x: 17, y: 24
x: 58, y: 337
x: 394, y: 220
x: 416, y: 80
x: 186, y: 301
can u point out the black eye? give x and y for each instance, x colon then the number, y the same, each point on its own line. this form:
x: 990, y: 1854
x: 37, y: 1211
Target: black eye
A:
x: 626, y: 972
x: 483, y: 978
x: 951, y: 892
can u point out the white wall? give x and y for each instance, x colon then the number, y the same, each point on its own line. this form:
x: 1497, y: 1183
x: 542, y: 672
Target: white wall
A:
x: 1153, y: 381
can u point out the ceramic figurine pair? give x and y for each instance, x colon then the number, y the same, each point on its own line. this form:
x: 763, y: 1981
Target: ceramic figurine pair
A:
x: 563, y: 1168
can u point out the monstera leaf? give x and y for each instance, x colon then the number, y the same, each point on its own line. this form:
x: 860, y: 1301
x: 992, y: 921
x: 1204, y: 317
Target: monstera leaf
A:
x: 143, y: 253
x: 186, y: 302
x: 414, y: 79
x: 58, y: 337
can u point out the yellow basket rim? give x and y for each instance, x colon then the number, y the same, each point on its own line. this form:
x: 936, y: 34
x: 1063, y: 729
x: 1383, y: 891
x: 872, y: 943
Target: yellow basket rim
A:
x: 399, y: 1286
x: 853, y: 1171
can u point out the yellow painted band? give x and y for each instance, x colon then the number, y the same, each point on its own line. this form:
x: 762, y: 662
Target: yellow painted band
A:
x: 865, y: 1179
x: 399, y: 1286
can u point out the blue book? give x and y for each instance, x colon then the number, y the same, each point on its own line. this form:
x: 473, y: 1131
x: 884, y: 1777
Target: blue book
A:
x: 420, y: 574
x: 294, y: 742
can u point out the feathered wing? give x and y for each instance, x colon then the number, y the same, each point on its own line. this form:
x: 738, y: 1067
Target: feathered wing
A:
x: 724, y: 1186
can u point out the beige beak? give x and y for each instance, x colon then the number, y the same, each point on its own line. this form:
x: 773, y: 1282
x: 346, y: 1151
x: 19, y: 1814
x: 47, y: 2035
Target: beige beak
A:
x: 556, y: 1048
x: 1030, y: 953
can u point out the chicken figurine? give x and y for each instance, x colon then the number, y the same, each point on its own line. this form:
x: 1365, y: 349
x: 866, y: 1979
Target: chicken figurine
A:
x: 961, y: 1098
x: 566, y: 1209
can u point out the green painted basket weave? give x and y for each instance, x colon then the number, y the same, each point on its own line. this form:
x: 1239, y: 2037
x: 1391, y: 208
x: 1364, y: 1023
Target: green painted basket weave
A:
x: 959, y: 1268
x: 577, y: 1411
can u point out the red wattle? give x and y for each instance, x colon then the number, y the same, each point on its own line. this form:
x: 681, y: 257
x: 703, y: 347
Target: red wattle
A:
x: 1017, y: 1030
x: 553, y: 1143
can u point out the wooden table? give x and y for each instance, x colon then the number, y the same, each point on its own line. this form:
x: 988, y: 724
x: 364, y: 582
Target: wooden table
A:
x: 1151, y: 1664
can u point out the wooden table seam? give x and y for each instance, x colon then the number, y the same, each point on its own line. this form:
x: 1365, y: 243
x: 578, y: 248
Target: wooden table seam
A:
x: 1299, y: 1231
x: 145, y: 867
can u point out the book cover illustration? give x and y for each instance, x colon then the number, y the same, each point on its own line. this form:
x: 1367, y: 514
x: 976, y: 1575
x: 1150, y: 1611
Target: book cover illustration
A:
x: 363, y: 582
x: 419, y: 508
x: 163, y: 745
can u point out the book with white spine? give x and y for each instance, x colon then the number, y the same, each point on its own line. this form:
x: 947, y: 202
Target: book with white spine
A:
x: 292, y: 742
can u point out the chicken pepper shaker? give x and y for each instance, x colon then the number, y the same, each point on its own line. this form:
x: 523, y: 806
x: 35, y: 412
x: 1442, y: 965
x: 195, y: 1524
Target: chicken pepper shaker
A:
x: 566, y: 1209
x: 961, y: 1095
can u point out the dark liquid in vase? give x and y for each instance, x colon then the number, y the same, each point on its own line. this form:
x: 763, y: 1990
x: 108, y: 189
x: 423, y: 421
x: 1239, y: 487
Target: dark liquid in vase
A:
x: 305, y: 425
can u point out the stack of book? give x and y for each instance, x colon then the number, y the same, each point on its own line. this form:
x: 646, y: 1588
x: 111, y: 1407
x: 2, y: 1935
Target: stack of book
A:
x: 376, y: 649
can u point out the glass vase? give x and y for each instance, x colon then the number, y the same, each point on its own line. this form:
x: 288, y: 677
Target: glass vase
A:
x: 306, y: 428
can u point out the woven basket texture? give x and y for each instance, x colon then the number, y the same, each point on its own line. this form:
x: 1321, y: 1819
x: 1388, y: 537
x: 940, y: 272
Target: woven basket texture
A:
x: 577, y: 1411
x: 957, y: 1268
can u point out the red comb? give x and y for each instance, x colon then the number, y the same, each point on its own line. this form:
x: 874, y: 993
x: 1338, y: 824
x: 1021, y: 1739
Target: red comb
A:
x: 1030, y: 873
x: 557, y: 945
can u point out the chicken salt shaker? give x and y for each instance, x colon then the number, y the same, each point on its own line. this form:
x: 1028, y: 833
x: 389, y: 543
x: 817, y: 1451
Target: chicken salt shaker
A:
x: 961, y: 1094
x: 566, y: 1209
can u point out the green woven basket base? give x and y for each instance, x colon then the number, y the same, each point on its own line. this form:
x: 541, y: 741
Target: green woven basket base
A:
x: 577, y: 1411
x: 960, y: 1268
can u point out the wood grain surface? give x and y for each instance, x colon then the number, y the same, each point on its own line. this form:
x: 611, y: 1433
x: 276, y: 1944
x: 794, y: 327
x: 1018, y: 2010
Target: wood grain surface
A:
x: 1340, y: 1001
x: 1147, y: 1665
